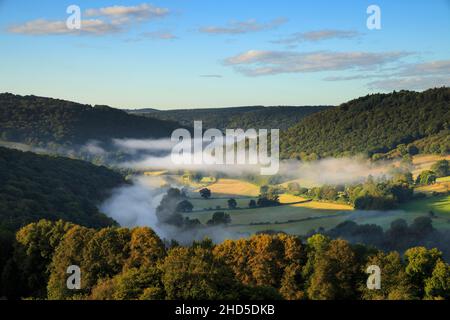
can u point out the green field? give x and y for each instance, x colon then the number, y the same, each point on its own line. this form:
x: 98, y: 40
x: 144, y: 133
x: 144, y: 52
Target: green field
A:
x: 200, y: 204
x: 272, y: 214
x: 295, y: 228
x: 439, y: 205
x: 299, y: 220
x: 444, y: 179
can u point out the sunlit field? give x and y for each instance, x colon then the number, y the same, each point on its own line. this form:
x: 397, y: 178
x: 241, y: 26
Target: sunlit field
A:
x: 233, y: 187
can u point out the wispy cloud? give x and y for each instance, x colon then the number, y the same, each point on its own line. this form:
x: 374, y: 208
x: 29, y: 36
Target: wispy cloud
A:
x: 240, y: 27
x: 105, y: 20
x: 410, y: 83
x: 354, y: 77
x: 211, y: 76
x: 315, y: 36
x: 440, y: 67
x: 260, y: 63
x: 46, y: 27
x: 413, y: 76
x: 141, y: 12
x: 153, y: 35
x: 134, y: 145
x: 159, y: 35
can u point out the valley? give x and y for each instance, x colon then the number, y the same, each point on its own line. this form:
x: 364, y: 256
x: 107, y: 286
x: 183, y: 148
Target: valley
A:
x: 224, y: 157
x: 301, y: 215
x: 98, y: 177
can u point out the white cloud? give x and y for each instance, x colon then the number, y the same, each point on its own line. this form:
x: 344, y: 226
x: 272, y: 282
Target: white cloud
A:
x: 94, y: 148
x: 105, y: 21
x: 133, y: 145
x: 46, y: 27
x: 354, y: 77
x: 258, y: 63
x: 319, y: 35
x: 240, y: 27
x: 413, y: 76
x: 410, y: 83
x: 218, y: 76
x: 440, y: 67
x: 124, y: 14
x: 159, y: 35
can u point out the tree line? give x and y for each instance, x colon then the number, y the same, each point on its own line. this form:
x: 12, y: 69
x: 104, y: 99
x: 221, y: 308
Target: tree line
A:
x: 383, y: 193
x: 54, y: 123
x: 373, y: 124
x: 37, y: 187
x: 127, y: 264
x: 257, y: 117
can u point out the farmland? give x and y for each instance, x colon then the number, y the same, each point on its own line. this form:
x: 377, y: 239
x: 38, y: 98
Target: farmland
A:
x: 298, y: 215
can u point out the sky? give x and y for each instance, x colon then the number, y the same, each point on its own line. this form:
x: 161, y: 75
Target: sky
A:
x: 172, y: 54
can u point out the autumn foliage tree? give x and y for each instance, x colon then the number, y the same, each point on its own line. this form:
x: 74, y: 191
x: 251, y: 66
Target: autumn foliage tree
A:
x: 135, y: 264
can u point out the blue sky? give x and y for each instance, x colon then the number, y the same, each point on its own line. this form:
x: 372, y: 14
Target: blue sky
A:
x: 204, y: 53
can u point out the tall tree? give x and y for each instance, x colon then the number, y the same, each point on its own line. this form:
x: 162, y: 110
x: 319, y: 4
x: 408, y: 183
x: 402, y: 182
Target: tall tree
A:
x: 334, y: 274
x: 36, y: 244
x: 69, y: 252
x: 438, y: 285
x: 205, y: 193
x: 146, y: 248
x: 420, y: 263
x: 105, y: 254
x: 195, y: 274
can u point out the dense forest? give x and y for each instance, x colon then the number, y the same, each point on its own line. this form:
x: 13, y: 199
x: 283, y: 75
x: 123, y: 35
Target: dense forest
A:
x: 257, y: 117
x: 398, y: 237
x: 42, y: 121
x: 124, y: 264
x: 374, y: 124
x: 35, y: 187
x: 49, y: 217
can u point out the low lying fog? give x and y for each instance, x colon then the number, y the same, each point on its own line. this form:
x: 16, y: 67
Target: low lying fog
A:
x: 135, y: 205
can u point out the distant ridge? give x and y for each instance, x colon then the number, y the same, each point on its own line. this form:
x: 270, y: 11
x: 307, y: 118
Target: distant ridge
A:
x: 245, y: 117
x: 373, y: 124
x: 39, y: 121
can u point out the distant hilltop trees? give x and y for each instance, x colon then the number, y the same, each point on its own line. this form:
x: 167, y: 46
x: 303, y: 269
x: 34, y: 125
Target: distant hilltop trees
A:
x: 42, y: 121
x: 374, y: 124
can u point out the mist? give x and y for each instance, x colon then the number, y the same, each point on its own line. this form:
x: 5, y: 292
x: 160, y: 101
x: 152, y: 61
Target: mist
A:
x: 135, y: 206
x: 399, y: 233
x: 335, y: 171
x: 325, y: 171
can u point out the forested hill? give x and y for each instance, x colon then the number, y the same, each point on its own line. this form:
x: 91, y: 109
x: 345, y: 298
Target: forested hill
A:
x: 257, y: 117
x: 34, y: 187
x: 39, y: 121
x: 373, y: 124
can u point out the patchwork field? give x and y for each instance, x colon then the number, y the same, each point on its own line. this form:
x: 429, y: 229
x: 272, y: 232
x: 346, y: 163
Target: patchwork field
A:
x: 298, y: 215
x: 268, y: 215
x: 439, y: 205
x: 301, y: 218
x: 442, y: 185
x: 425, y: 162
x: 220, y: 201
x: 288, y: 198
x: 233, y: 187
